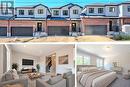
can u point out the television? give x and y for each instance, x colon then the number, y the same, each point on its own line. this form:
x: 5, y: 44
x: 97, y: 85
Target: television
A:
x: 27, y: 62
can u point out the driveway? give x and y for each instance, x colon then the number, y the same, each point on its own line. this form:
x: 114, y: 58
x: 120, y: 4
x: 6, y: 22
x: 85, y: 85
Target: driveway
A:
x: 91, y: 38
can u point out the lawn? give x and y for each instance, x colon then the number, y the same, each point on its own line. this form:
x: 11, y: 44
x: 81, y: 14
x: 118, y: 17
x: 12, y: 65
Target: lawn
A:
x: 56, y: 39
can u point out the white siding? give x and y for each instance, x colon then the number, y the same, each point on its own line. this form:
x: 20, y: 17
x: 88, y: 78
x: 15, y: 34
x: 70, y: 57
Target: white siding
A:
x: 95, y: 11
x: 123, y: 10
x: 74, y: 15
x: 65, y: 8
x: 107, y: 13
x: 55, y: 15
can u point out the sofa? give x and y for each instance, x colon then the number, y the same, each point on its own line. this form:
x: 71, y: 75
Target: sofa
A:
x: 57, y: 81
x: 11, y: 77
x: 70, y: 79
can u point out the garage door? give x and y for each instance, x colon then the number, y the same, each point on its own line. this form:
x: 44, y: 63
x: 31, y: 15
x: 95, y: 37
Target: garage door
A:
x: 96, y: 30
x: 58, y: 30
x: 22, y: 31
x: 3, y: 31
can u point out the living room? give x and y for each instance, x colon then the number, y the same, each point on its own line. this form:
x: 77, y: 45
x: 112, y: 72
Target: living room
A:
x: 37, y: 65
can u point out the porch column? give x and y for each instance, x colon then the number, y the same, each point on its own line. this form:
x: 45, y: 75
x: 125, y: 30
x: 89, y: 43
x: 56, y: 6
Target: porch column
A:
x: 82, y: 27
x: 70, y: 27
x: 8, y: 29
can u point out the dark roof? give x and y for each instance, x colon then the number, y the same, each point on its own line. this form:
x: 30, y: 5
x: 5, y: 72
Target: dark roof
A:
x: 6, y: 17
x: 58, y: 18
x: 70, y: 6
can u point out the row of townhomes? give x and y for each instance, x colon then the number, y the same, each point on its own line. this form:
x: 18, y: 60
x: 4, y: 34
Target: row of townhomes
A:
x: 94, y: 19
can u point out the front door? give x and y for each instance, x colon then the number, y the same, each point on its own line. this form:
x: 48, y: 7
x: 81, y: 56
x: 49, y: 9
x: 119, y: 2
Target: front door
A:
x: 73, y: 27
x: 39, y: 26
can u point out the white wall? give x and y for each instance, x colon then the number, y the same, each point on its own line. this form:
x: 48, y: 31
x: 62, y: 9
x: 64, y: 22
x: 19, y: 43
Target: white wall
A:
x: 122, y: 61
x: 107, y: 13
x: 1, y: 60
x: 68, y: 50
x: 17, y: 58
x: 93, y: 58
x: 123, y: 10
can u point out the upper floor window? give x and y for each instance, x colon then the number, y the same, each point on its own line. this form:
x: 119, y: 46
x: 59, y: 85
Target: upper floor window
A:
x: 65, y: 12
x: 40, y: 11
x: 128, y: 8
x: 91, y: 10
x: 55, y: 12
x: 21, y: 12
x: 83, y: 60
x: 100, y: 10
x: 30, y: 12
x: 75, y: 11
x: 111, y: 9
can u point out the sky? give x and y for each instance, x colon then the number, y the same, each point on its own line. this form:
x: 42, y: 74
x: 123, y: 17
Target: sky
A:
x: 55, y: 3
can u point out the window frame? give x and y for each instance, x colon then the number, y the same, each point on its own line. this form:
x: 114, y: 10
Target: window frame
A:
x: 65, y: 11
x: 100, y: 10
x: 55, y: 13
x: 112, y: 9
x: 91, y: 10
x: 32, y: 13
x: 21, y: 12
x: 40, y: 11
x: 75, y: 11
x: 128, y: 8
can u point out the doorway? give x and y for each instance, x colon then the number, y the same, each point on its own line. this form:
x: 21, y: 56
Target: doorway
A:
x: 39, y: 26
x: 110, y: 26
x: 51, y: 63
x: 73, y: 27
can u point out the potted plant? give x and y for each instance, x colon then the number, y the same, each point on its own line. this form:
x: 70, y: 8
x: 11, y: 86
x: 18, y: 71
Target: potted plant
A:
x: 38, y: 67
x: 15, y: 66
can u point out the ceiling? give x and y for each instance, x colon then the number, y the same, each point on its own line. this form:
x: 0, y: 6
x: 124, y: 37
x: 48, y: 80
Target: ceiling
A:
x: 105, y: 50
x: 37, y: 49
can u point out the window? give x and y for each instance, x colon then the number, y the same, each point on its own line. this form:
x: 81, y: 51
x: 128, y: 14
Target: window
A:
x: 56, y: 12
x: 112, y: 9
x: 21, y: 12
x: 40, y: 11
x: 30, y: 12
x: 100, y: 62
x: 75, y: 12
x: 91, y: 10
x: 83, y: 60
x: 100, y: 10
x: 65, y: 12
x: 128, y: 8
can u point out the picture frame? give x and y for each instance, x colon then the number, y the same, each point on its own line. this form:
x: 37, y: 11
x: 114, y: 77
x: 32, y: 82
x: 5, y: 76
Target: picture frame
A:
x: 63, y: 59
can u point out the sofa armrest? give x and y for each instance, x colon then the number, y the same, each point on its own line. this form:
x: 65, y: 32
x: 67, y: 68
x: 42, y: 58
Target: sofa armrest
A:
x: 24, y: 82
x: 42, y: 83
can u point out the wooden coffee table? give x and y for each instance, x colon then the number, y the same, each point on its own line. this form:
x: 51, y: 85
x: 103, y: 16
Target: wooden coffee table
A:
x: 15, y: 85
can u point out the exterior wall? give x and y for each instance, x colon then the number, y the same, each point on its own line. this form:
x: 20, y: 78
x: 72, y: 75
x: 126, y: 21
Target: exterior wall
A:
x: 95, y: 11
x: 73, y: 15
x: 25, y: 12
x: 65, y: 8
x: 107, y: 13
x: 93, y: 21
x: 52, y: 10
x: 123, y: 12
x: 44, y: 15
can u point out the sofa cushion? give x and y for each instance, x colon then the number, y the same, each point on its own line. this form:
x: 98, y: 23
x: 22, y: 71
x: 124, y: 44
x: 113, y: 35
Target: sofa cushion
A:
x: 65, y: 75
x: 15, y: 74
x: 54, y: 80
x: 7, y: 76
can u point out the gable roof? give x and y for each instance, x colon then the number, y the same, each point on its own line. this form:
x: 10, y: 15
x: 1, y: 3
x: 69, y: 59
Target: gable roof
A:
x: 70, y: 5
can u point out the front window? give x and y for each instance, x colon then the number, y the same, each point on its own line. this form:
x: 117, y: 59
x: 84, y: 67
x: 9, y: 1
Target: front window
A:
x: 112, y: 9
x: 21, y: 12
x: 100, y: 62
x: 30, y: 12
x: 91, y: 10
x: 75, y: 12
x: 100, y: 10
x: 40, y: 11
x: 65, y: 12
x: 56, y: 12
x: 128, y: 8
x: 83, y: 60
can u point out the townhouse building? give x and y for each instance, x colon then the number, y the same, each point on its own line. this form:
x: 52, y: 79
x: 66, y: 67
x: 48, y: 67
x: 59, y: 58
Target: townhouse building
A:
x: 94, y: 19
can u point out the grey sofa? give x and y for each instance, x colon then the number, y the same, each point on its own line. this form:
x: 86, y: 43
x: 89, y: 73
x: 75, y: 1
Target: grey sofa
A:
x: 53, y: 82
x: 70, y: 79
x: 24, y: 82
x: 11, y: 77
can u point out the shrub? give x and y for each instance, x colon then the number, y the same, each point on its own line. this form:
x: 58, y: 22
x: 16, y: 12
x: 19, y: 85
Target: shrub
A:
x: 121, y: 37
